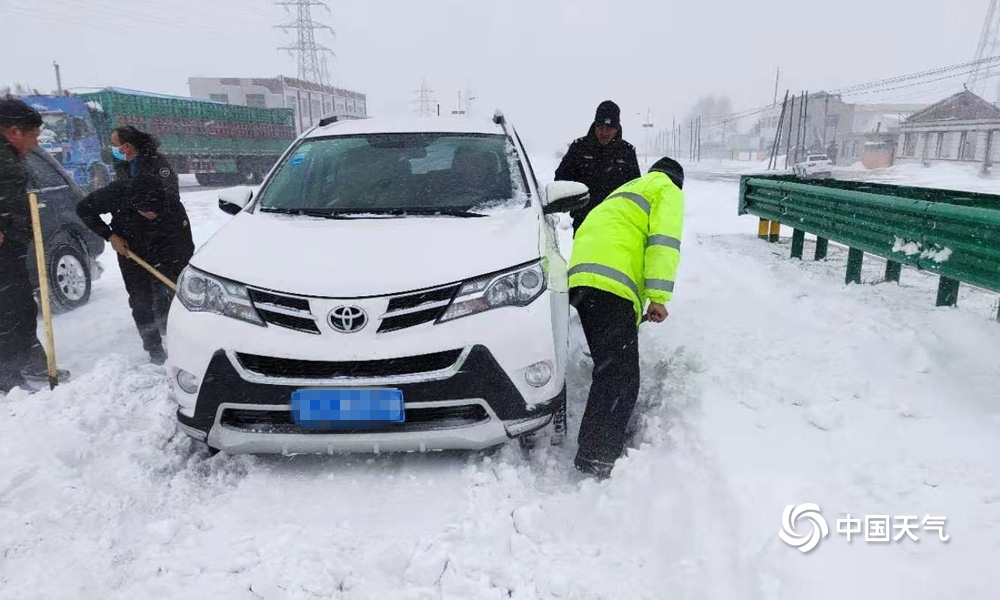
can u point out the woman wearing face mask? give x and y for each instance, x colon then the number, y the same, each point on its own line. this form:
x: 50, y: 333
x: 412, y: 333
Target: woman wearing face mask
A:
x: 147, y: 218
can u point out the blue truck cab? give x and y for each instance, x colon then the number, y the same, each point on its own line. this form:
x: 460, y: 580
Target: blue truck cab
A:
x: 70, y: 137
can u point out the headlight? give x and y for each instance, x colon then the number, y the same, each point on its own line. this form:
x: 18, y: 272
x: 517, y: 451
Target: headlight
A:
x: 201, y: 292
x: 519, y: 287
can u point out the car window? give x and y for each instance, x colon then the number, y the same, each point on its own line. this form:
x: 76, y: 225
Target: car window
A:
x: 819, y: 157
x: 43, y: 175
x: 417, y: 172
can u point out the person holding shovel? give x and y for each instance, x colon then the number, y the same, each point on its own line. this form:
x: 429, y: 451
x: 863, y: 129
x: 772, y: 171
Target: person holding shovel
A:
x: 22, y: 356
x: 621, y: 272
x: 147, y: 219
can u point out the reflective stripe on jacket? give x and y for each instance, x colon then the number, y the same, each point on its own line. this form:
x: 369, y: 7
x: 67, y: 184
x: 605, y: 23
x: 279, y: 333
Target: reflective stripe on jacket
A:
x: 629, y: 245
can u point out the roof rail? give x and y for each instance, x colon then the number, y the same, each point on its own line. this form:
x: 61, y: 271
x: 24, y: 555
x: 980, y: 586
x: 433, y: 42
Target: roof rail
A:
x: 327, y: 120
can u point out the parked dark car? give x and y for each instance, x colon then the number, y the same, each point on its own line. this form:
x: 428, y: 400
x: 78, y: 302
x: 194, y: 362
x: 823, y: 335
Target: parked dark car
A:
x: 71, y: 250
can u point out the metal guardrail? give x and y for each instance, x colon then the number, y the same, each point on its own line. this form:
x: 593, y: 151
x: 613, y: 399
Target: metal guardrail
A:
x: 953, y: 234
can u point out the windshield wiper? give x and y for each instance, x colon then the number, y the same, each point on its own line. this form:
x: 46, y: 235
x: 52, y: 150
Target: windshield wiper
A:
x: 310, y: 212
x: 448, y: 212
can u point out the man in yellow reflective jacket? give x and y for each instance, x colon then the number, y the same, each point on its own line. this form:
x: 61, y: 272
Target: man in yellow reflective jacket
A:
x: 625, y: 256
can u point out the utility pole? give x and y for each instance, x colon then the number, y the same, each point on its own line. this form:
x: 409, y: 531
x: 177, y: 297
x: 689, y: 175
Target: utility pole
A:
x: 788, y: 143
x: 647, y: 126
x: 805, y: 126
x: 773, y: 162
x: 826, y: 120
x: 59, y: 89
x: 673, y: 138
x: 469, y: 98
x: 777, y: 80
x: 989, y: 46
x: 310, y: 66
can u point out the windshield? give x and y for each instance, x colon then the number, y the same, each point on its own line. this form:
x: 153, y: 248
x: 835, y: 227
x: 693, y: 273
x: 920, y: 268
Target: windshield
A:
x: 398, y: 174
x: 54, y: 129
x: 818, y: 157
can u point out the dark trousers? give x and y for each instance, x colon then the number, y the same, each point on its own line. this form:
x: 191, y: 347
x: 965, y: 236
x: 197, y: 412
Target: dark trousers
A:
x: 19, y: 344
x: 609, y: 325
x: 149, y: 299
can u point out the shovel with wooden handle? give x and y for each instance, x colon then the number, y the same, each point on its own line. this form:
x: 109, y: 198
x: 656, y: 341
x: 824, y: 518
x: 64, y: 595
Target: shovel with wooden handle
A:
x: 43, y: 285
x: 152, y: 271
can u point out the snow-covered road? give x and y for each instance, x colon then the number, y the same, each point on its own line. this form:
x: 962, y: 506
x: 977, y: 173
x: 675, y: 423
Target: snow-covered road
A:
x: 771, y: 384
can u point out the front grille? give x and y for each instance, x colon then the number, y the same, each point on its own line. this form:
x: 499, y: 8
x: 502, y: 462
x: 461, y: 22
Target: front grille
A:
x: 418, y: 419
x: 415, y: 300
x: 284, y: 311
x: 313, y: 369
x: 436, y: 302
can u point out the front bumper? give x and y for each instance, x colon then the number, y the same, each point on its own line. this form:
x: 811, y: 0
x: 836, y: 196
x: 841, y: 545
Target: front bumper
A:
x: 470, y: 405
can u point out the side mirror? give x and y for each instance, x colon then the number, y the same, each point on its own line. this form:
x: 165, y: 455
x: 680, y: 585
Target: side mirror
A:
x: 564, y: 196
x: 234, y: 200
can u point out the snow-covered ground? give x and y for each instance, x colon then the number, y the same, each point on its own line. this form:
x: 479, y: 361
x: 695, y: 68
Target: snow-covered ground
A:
x: 771, y: 384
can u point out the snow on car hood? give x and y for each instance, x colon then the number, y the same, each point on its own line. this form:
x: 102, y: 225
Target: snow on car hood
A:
x: 366, y: 257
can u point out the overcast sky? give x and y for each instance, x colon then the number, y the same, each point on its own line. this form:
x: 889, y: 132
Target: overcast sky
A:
x: 548, y: 63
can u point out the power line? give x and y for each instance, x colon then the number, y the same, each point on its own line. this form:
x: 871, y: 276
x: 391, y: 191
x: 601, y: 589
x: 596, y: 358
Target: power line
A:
x: 878, y: 86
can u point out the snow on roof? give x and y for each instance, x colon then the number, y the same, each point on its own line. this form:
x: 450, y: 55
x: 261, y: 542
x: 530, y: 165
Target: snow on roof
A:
x: 130, y: 92
x: 963, y: 106
x: 444, y: 124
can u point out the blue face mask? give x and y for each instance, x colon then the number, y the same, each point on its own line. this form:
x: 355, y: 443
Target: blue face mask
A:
x: 117, y: 153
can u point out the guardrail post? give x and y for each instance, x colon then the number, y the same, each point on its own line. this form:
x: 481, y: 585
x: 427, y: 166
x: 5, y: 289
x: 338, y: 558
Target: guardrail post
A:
x: 822, y: 245
x: 947, y: 292
x: 798, y: 243
x: 775, y: 232
x: 855, y: 258
x: 893, y: 270
x: 762, y: 228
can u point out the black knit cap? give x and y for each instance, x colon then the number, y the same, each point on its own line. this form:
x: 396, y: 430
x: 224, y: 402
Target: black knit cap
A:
x: 672, y: 168
x: 609, y: 114
x: 16, y: 113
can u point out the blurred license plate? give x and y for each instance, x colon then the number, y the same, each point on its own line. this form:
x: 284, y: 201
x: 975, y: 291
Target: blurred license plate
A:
x: 347, y: 409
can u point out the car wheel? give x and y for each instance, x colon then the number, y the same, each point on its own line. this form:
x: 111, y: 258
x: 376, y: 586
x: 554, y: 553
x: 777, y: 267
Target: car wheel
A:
x: 69, y: 275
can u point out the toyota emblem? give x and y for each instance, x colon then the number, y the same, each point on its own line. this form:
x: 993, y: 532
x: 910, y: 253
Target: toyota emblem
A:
x: 348, y: 319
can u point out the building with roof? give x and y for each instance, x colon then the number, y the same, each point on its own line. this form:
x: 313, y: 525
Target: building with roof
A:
x: 959, y: 128
x: 310, y: 101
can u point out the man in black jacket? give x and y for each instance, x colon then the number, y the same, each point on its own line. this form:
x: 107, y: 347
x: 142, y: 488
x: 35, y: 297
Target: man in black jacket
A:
x: 601, y: 160
x: 20, y: 349
x: 147, y: 218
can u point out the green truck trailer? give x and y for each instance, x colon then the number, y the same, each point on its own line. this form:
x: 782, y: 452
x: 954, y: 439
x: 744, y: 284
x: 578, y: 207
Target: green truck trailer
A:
x: 221, y: 144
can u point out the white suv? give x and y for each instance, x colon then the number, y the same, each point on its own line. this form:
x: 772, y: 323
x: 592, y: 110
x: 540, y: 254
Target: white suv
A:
x: 393, y: 286
x: 815, y: 166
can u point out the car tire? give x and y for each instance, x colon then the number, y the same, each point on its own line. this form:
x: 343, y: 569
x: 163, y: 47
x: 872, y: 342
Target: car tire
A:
x: 69, y: 275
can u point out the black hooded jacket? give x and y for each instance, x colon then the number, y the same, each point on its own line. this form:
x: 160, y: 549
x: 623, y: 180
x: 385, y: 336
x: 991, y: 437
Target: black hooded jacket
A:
x: 15, y: 216
x: 153, y: 188
x: 603, y: 169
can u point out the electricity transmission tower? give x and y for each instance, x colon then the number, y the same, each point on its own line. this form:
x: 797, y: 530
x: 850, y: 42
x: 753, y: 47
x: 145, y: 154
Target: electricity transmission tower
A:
x: 989, y: 46
x: 311, y: 66
x: 426, y: 99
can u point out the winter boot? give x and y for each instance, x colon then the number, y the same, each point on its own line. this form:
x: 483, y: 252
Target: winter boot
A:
x: 158, y: 356
x: 597, y: 468
x: 41, y: 374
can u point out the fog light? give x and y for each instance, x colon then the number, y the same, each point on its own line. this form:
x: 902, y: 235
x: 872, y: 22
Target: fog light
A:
x: 187, y: 382
x: 538, y: 374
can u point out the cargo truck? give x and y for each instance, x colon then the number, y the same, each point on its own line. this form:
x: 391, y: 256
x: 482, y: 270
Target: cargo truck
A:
x: 220, y: 144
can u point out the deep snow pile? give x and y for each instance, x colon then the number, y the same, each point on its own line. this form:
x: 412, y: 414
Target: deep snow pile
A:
x: 771, y: 384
